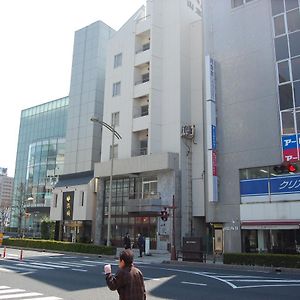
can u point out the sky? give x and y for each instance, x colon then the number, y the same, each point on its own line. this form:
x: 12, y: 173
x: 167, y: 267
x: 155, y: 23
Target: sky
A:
x: 36, y: 54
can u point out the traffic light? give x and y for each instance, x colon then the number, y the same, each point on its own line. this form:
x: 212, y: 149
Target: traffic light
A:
x: 285, y: 168
x: 164, y: 215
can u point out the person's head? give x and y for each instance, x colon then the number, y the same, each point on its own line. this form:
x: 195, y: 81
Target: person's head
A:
x: 126, y: 259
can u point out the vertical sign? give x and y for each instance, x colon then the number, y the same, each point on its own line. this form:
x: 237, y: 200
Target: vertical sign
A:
x: 68, y: 200
x: 211, y: 129
x: 290, y: 146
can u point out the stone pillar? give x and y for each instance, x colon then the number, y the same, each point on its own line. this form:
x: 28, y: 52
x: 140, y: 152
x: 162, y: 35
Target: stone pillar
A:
x: 99, y: 212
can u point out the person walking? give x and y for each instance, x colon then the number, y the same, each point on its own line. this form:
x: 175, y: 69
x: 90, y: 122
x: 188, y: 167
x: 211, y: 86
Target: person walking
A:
x: 127, y: 241
x: 141, y: 244
x: 128, y: 281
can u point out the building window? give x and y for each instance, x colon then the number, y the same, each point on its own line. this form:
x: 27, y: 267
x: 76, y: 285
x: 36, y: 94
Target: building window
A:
x: 149, y: 187
x: 115, y: 118
x: 294, y: 39
x: 118, y: 60
x: 116, y: 88
x: 283, y: 71
x: 236, y: 3
x: 279, y: 25
x: 144, y: 110
x: 277, y: 7
x: 291, y: 4
x: 296, y: 68
x: 297, y: 93
x: 55, y: 200
x: 288, y: 124
x: 293, y: 20
x: 81, y: 198
x: 115, y: 152
x: 281, y: 48
x: 285, y: 96
x: 145, y: 77
x: 144, y: 147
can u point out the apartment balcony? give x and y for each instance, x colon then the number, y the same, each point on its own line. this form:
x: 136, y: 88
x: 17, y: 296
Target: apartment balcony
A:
x: 140, y: 123
x: 146, y: 203
x: 141, y: 89
x: 142, y: 25
x: 143, y: 55
x: 141, y: 151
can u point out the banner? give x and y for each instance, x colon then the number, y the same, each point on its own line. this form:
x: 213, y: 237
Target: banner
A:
x: 68, y: 201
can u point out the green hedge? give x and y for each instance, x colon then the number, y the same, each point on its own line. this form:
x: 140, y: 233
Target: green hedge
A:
x: 60, y: 246
x: 257, y: 259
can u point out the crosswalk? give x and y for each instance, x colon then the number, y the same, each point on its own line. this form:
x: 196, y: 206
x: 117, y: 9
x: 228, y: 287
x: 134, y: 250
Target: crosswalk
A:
x: 30, y: 265
x: 7, y: 292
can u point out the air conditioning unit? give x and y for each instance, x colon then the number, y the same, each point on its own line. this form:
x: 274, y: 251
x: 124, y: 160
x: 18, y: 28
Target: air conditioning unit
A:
x: 188, y: 131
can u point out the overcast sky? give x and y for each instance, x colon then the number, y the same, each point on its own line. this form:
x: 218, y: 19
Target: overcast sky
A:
x: 36, y: 54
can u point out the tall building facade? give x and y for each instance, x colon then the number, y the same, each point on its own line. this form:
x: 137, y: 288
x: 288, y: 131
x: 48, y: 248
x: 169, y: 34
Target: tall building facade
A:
x: 257, y: 93
x: 39, y: 161
x: 6, y: 192
x: 74, y: 200
x: 153, y: 97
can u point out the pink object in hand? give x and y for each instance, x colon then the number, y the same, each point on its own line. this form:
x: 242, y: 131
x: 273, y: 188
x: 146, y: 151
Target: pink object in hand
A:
x: 107, y: 269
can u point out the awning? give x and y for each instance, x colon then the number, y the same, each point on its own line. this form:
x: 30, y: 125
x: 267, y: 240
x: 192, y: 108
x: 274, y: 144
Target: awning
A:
x: 275, y: 225
x: 75, y: 179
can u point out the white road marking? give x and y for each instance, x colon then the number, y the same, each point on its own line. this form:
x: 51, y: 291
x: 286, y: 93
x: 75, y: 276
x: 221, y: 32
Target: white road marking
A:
x: 76, y: 264
x: 5, y: 270
x: 13, y: 296
x: 45, y: 298
x: 150, y: 278
x: 2, y: 287
x: 34, y: 267
x: 194, y: 283
x: 79, y: 270
x: 19, y: 268
x: 52, y: 265
x: 11, y: 291
x: 267, y: 280
x: 94, y: 262
x: 265, y: 285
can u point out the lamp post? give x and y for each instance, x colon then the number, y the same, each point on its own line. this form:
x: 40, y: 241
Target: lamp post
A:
x: 118, y: 136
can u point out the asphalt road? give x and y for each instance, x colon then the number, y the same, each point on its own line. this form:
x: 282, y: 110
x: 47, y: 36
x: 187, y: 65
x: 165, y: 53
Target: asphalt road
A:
x: 46, y: 276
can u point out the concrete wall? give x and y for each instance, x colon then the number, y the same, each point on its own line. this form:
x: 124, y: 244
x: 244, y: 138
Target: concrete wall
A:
x: 83, y: 137
x: 248, y: 133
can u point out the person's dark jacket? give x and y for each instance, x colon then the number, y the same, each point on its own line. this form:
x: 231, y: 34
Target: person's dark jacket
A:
x: 141, y: 242
x: 129, y: 283
x: 127, y: 242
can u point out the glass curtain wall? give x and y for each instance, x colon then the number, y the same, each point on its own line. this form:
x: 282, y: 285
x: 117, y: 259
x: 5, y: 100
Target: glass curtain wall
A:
x: 40, y: 149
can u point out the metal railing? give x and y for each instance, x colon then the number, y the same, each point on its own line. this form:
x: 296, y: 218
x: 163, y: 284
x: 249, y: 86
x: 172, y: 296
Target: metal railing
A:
x: 144, y: 48
x: 145, y: 195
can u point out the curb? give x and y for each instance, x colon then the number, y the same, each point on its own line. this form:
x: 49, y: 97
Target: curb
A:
x: 234, y: 267
x: 61, y: 252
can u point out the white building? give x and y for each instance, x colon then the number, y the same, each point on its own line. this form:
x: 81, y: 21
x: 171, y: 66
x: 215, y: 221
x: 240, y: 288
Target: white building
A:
x: 153, y: 89
x: 6, y: 192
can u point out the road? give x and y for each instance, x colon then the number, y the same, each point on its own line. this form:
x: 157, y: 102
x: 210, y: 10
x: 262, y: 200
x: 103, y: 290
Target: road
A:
x: 48, y: 276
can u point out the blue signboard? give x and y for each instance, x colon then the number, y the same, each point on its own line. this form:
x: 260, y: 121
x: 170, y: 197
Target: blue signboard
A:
x: 270, y: 186
x: 254, y: 187
x: 289, y: 141
x: 285, y: 185
x: 214, y: 137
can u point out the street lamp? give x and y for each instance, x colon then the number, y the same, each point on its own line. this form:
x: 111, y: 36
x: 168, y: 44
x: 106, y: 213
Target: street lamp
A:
x: 118, y: 136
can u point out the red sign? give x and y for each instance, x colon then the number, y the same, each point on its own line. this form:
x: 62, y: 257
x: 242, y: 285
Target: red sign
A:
x: 214, y: 163
x: 290, y: 154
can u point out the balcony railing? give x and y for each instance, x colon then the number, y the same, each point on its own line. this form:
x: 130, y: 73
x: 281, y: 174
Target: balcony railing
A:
x: 144, y: 80
x: 144, y: 48
x: 141, y: 151
x: 145, y: 195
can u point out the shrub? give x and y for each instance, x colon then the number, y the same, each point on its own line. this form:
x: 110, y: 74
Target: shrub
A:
x: 264, y: 259
x: 60, y: 246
